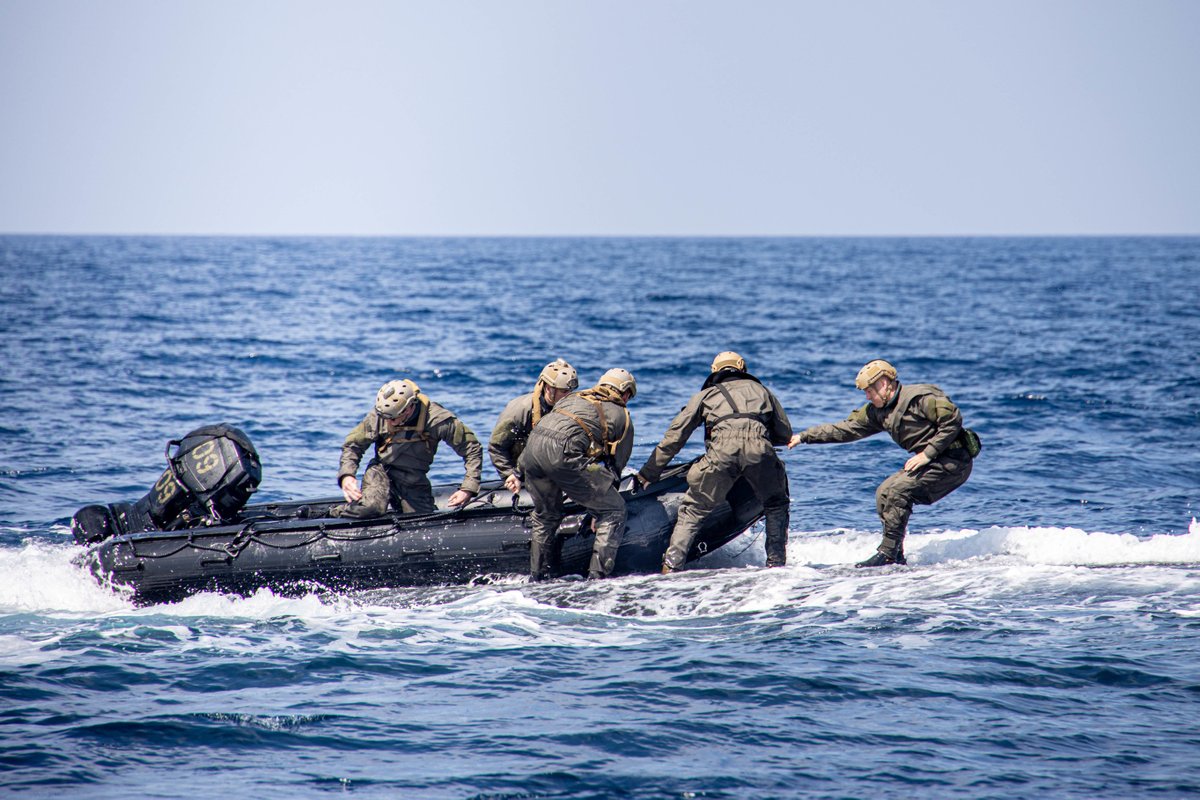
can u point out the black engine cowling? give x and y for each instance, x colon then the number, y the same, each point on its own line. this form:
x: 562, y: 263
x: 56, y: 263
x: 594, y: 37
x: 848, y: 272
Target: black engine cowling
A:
x: 209, y: 478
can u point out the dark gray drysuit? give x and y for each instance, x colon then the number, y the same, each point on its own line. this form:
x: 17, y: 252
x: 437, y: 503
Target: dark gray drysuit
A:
x: 743, y: 421
x: 579, y: 450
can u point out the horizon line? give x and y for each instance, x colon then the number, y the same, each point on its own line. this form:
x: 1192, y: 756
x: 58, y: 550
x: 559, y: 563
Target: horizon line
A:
x: 202, y: 235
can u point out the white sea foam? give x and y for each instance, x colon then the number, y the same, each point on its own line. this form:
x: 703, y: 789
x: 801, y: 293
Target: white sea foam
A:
x: 262, y: 605
x: 42, y: 577
x: 951, y: 574
x: 24, y: 651
x: 1032, y: 545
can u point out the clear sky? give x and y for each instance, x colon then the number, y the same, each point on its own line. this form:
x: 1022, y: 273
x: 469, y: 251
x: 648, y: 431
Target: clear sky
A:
x: 638, y: 117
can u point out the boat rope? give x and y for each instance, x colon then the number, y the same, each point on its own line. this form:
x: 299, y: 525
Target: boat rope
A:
x: 248, y: 535
x: 750, y: 543
x: 239, y: 542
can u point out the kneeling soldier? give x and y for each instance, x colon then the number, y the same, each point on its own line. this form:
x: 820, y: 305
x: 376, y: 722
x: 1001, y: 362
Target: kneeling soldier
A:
x: 921, y: 419
x: 579, y: 449
x: 743, y: 421
x: 405, y: 426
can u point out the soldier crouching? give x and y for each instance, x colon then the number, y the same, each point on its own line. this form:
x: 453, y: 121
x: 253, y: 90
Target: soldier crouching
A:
x: 921, y: 419
x: 579, y: 449
x: 405, y: 427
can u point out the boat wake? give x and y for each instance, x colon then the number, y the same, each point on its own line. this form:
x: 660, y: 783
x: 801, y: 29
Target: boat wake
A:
x: 43, y: 576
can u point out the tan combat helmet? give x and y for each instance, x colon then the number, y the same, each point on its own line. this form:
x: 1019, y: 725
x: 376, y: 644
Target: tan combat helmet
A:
x: 559, y: 374
x: 395, y: 397
x: 728, y: 360
x: 873, y: 371
x: 620, y: 379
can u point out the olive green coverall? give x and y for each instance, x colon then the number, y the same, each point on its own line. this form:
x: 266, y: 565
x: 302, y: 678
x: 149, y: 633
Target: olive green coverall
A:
x: 562, y: 457
x: 743, y: 421
x: 398, y: 472
x: 512, y: 430
x: 920, y: 418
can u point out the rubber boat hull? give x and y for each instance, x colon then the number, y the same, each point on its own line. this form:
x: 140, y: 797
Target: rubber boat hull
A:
x: 295, y: 546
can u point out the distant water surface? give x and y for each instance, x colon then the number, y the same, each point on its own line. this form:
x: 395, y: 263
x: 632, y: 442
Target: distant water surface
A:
x: 1042, y: 641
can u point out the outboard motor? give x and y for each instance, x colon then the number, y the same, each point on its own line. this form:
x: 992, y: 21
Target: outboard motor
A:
x: 209, y: 478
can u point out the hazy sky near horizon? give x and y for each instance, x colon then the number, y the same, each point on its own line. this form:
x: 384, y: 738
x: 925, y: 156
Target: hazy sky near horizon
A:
x: 623, y: 117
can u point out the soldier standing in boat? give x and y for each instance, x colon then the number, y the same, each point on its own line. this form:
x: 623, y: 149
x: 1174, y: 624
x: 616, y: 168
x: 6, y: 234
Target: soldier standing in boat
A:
x: 405, y: 427
x: 512, y: 430
x: 921, y: 419
x: 579, y: 449
x: 743, y: 421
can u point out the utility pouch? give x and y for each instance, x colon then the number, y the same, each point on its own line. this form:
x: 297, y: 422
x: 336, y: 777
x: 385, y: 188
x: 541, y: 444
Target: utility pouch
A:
x: 970, y: 442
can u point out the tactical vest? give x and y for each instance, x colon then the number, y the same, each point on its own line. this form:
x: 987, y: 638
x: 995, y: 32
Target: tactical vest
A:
x: 967, y: 440
x: 599, y: 449
x: 904, y: 398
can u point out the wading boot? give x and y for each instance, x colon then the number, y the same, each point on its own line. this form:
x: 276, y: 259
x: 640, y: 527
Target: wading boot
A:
x: 777, y: 532
x: 604, y: 550
x: 668, y: 567
x: 544, y: 558
x: 891, y: 551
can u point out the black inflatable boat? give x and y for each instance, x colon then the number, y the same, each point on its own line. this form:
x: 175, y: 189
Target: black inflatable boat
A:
x: 294, y: 546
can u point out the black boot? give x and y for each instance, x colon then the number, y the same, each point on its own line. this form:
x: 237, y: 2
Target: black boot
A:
x: 891, y: 551
x: 544, y: 559
x: 777, y: 535
x: 882, y: 559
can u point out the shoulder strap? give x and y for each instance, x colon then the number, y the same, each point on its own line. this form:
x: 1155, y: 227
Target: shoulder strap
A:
x: 578, y: 421
x: 737, y: 414
x: 604, y: 445
x: 612, y: 448
x: 536, y: 410
x: 728, y: 397
x: 603, y: 419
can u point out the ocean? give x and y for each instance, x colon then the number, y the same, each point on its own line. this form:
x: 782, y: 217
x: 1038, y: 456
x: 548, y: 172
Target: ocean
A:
x: 1044, y: 639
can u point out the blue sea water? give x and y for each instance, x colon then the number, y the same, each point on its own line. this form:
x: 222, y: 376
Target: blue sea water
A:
x: 1044, y: 639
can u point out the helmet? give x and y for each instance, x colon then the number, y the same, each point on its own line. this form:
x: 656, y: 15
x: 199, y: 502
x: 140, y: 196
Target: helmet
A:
x: 728, y: 360
x: 873, y: 371
x: 559, y: 375
x: 395, y: 397
x: 620, y: 379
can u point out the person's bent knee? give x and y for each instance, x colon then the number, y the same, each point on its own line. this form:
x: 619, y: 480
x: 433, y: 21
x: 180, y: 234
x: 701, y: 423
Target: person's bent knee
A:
x: 543, y: 521
x: 893, y: 490
x: 612, y: 518
x: 606, y: 506
x: 372, y: 508
x: 691, y: 508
